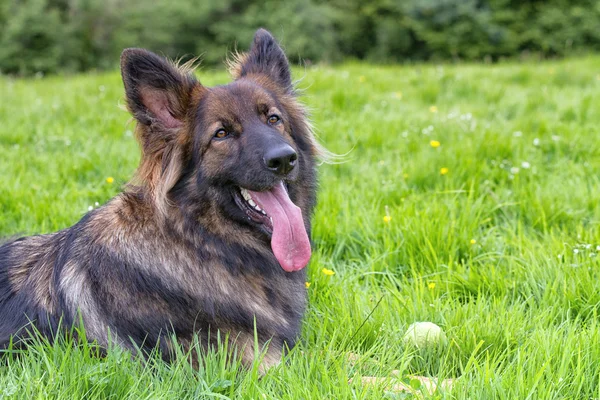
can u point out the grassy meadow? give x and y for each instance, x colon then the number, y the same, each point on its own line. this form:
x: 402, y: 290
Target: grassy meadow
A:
x: 468, y: 196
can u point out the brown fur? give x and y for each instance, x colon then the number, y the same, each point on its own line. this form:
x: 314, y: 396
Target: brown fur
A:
x: 173, y: 254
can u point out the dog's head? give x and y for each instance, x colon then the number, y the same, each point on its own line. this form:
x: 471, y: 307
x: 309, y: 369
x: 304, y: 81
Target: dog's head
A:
x: 243, y: 152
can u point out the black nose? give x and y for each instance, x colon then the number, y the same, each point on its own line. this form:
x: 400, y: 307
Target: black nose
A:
x: 281, y: 159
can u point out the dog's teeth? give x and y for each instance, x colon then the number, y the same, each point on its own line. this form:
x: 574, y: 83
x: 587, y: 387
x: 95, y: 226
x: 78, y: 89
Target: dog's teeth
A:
x: 245, y: 194
x: 271, y: 219
x: 251, y: 202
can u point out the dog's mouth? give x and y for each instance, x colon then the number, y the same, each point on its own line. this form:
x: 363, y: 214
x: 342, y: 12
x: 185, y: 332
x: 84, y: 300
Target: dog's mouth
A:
x: 274, y: 212
x: 253, y: 211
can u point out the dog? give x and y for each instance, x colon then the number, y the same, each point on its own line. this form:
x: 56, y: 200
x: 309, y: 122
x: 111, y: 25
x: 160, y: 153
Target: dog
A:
x: 209, y: 238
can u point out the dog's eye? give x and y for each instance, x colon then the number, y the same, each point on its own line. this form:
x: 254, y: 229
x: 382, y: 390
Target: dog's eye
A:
x: 221, y: 133
x: 273, y: 119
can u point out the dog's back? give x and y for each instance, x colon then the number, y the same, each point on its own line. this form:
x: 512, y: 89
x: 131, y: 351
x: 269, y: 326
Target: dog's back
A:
x: 25, y: 279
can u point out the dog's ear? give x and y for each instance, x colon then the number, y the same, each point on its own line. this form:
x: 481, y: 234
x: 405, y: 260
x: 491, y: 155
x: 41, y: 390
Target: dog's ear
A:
x: 265, y: 57
x: 157, y: 91
x: 159, y: 95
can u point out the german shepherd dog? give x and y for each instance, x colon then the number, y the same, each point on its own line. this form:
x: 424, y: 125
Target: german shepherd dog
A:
x: 211, y: 235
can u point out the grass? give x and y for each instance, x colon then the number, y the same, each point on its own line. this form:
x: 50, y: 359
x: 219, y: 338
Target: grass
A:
x: 501, y: 250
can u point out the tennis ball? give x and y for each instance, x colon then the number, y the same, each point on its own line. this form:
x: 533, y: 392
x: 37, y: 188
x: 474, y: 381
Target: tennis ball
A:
x: 424, y: 334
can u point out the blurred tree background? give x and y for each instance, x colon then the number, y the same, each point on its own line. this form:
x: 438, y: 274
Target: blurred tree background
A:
x: 50, y: 36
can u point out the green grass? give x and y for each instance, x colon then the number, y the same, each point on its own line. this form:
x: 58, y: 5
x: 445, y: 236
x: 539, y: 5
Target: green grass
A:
x: 501, y: 251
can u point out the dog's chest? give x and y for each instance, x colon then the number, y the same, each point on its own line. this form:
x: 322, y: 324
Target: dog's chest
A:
x: 227, y: 283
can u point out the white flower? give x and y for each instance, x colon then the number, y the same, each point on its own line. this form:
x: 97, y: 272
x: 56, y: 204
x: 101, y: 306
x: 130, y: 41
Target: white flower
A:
x: 517, y: 134
x: 514, y: 170
x: 536, y: 142
x: 525, y: 165
x: 427, y: 130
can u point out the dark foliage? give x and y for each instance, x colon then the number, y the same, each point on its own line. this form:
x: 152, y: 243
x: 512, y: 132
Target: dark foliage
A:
x: 50, y: 36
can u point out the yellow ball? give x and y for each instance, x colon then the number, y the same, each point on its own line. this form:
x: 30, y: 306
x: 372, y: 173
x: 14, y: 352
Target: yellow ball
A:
x: 424, y: 334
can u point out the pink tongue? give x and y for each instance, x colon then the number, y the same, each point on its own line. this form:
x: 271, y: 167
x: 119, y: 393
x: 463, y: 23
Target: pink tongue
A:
x: 290, y: 242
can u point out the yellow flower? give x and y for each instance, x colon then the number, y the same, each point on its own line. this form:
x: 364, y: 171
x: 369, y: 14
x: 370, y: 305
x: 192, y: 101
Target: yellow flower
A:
x: 398, y: 95
x: 431, y: 285
x: 361, y: 79
x: 307, y: 284
x: 434, y: 143
x: 110, y: 179
x: 327, y: 272
x: 405, y: 176
x: 444, y: 171
x: 387, y: 219
x: 433, y: 109
x: 473, y: 241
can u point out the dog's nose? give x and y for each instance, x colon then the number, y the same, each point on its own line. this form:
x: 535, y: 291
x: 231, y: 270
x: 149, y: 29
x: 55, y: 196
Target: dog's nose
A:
x: 281, y: 160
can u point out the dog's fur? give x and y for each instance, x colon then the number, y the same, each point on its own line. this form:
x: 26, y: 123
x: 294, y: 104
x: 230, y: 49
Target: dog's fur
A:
x: 173, y: 254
